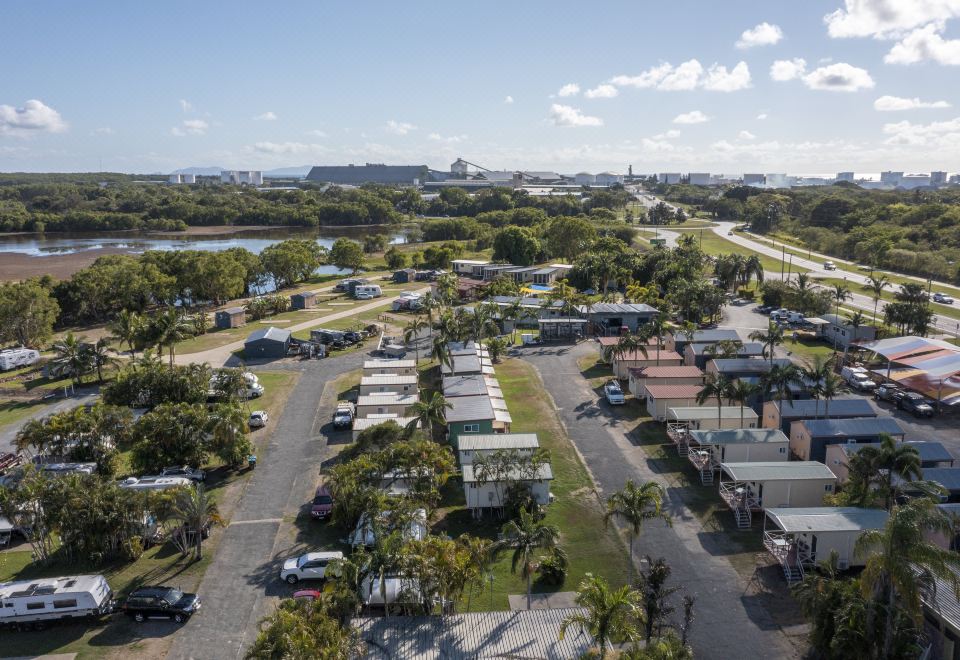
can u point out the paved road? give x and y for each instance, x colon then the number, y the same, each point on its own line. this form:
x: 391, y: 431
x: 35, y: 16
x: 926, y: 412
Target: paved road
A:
x: 730, y: 622
x: 241, y: 584
x: 9, y: 431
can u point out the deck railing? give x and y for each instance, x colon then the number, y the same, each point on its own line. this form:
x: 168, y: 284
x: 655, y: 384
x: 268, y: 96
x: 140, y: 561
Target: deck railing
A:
x: 738, y: 495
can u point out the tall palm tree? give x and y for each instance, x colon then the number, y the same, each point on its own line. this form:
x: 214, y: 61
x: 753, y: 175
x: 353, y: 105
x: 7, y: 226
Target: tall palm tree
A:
x: 610, y: 614
x: 479, y: 556
x: 741, y: 391
x: 629, y: 344
x: 831, y: 386
x: 780, y: 381
x: 892, y: 460
x: 840, y: 293
x: 802, y: 288
x: 816, y: 374
x: 197, y: 511
x: 440, y: 351
x: 513, y: 312
x: 633, y: 505
x: 655, y: 327
x: 715, y: 386
x: 524, y: 536
x: 902, y: 562
x: 429, y: 412
x: 411, y: 333
x: 99, y: 355
x: 170, y: 327
x: 72, y: 359
x: 127, y: 328
x: 770, y: 339
x: 752, y: 267
x: 876, y: 284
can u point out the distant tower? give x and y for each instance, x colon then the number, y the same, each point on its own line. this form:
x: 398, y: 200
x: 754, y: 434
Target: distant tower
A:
x: 459, y: 168
x: 630, y: 170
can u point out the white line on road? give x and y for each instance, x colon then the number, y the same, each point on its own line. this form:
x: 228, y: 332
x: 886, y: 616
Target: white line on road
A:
x: 255, y: 522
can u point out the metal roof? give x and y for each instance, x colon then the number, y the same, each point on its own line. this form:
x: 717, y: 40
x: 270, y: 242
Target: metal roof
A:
x: 930, y: 452
x: 387, y: 399
x: 494, y: 441
x: 388, y: 379
x: 705, y: 348
x: 544, y: 473
x: 464, y: 364
x: 949, y: 478
x: 778, y: 471
x: 942, y: 602
x: 466, y: 385
x: 233, y: 310
x: 738, y: 436
x: 679, y: 371
x: 526, y: 302
x: 469, y: 408
x: 364, y: 423
x: 853, y: 426
x: 710, y: 336
x: 674, y: 391
x: 801, y: 408
x: 271, y: 333
x: 500, y: 634
x: 617, y: 308
x: 651, y: 356
x: 681, y: 413
x: 747, y: 365
x: 389, y: 364
x: 827, y: 519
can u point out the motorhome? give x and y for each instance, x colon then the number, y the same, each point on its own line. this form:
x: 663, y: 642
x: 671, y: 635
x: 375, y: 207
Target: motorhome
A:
x: 54, y: 599
x: 13, y: 358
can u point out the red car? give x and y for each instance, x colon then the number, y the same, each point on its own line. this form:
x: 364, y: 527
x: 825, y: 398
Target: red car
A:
x: 322, y: 503
x: 306, y: 595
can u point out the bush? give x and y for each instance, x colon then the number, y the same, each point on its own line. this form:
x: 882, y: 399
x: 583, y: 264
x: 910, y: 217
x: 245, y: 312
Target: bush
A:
x: 746, y: 294
x: 553, y: 567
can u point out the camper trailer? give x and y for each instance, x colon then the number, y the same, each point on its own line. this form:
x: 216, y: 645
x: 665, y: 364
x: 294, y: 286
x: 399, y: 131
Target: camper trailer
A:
x: 14, y: 358
x: 155, y: 483
x: 367, y: 291
x: 54, y: 599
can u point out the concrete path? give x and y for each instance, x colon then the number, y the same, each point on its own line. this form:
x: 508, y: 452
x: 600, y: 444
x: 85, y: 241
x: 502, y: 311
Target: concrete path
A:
x: 730, y: 621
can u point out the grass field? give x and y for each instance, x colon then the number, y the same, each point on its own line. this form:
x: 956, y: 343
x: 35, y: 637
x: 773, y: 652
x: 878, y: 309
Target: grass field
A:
x: 13, y: 411
x: 949, y: 311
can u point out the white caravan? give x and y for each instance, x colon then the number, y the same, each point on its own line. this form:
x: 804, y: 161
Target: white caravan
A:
x: 13, y: 358
x: 53, y: 599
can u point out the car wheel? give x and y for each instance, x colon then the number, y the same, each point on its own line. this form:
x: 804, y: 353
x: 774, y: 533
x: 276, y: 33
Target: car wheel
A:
x: 292, y: 579
x: 138, y: 617
x: 179, y: 618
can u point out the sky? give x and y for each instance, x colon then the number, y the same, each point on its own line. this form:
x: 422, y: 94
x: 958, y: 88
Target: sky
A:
x: 723, y: 87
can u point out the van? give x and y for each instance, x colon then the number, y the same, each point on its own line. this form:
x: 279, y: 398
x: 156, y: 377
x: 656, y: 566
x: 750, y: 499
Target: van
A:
x: 53, y: 599
x: 367, y: 291
x: 14, y: 358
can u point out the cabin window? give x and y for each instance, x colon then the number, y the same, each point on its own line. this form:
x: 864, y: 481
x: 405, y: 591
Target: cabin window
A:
x: 36, y: 606
x: 783, y: 450
x: 828, y: 488
x: 64, y: 604
x: 471, y: 428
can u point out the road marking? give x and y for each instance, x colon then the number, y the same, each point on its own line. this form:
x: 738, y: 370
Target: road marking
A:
x: 255, y: 522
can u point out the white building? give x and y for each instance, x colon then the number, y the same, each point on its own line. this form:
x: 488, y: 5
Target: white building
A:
x: 609, y: 179
x: 754, y: 180
x: 891, y: 178
x: 669, y: 177
x: 242, y: 177
x: 915, y: 181
x: 482, y: 493
x: 938, y: 178
x: 182, y: 178
x: 699, y: 178
x: 777, y: 180
x: 584, y: 179
x: 845, y: 176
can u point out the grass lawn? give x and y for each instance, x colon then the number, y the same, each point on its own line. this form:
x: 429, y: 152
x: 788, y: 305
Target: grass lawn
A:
x: 13, y: 411
x: 712, y: 244
x: 949, y: 311
x: 807, y: 349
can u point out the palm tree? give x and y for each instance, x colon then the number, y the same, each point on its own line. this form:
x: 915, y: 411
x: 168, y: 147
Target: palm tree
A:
x: 440, y: 351
x: 802, y: 288
x: 741, y: 391
x: 411, y: 334
x: 816, y: 374
x: 524, y: 536
x: 770, y: 339
x: 876, y: 284
x: 426, y: 413
x: 478, y: 551
x: 197, y: 511
x: 655, y: 327
x: 840, y: 293
x: 127, y: 328
x: 609, y: 613
x: 716, y: 386
x: 633, y: 505
x: 892, y: 460
x: 513, y: 312
x: 902, y: 562
x: 170, y: 327
x: 752, y: 267
x: 780, y: 381
x: 99, y: 355
x: 832, y: 386
x: 72, y: 358
x: 629, y: 345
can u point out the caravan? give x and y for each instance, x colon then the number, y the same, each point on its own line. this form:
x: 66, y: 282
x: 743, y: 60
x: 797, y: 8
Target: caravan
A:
x: 53, y: 599
x: 13, y: 358
x: 367, y: 291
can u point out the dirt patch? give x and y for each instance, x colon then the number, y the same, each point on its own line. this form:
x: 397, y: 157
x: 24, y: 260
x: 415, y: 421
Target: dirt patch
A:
x: 15, y: 267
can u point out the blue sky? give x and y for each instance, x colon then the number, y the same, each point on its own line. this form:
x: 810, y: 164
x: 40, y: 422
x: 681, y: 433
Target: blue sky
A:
x: 691, y: 86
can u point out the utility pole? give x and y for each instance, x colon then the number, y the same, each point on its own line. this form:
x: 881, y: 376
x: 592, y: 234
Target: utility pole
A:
x: 783, y: 256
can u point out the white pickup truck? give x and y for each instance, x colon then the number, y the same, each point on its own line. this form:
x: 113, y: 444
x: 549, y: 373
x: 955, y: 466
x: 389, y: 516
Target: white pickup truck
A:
x: 614, y: 394
x: 858, y: 378
x: 343, y: 415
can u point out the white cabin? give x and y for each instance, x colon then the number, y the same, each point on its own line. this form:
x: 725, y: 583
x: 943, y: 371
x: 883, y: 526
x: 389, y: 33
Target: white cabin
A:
x: 386, y: 383
x: 481, y: 494
x: 471, y: 447
x: 50, y: 599
x: 708, y: 449
x: 384, y: 404
x: 748, y: 487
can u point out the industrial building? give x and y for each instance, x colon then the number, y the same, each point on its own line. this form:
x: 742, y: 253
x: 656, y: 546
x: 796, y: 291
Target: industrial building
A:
x: 182, y: 179
x: 357, y: 175
x: 242, y: 177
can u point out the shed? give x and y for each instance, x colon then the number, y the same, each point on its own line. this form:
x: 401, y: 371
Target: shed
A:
x: 809, y: 438
x: 388, y: 383
x: 562, y: 329
x: 641, y: 377
x: 812, y: 409
x: 705, y: 418
x: 932, y: 454
x: 231, y: 317
x: 799, y: 538
x: 303, y: 300
x: 267, y: 342
x: 488, y: 492
x: 708, y: 449
x: 471, y: 447
x: 660, y: 398
x: 383, y: 367
x: 748, y: 487
x: 609, y: 318
x: 388, y: 403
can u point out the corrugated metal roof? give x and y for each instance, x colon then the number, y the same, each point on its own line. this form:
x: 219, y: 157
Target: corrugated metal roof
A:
x: 738, y: 436
x: 387, y: 399
x: 651, y: 356
x: 388, y: 379
x: 949, y: 478
x: 749, y: 348
x: 674, y: 391
x: 271, y: 333
x: 683, y: 413
x: 502, y: 416
x: 710, y: 336
x: 466, y: 385
x: 233, y: 310
x: 747, y: 365
x: 801, y: 408
x: 853, y: 426
x: 469, y: 408
x: 930, y: 452
x: 389, y: 364
x: 942, y: 602
x: 827, y: 519
x: 680, y: 371
x: 544, y: 473
x: 777, y: 471
x: 464, y: 364
x: 364, y: 423
x: 616, y: 308
x: 494, y: 441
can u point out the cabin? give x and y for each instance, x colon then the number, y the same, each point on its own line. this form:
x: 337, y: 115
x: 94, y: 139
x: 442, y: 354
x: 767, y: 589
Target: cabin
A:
x: 361, y: 424
x: 382, y: 404
x: 266, y: 343
x: 750, y: 487
x: 466, y: 364
x: 610, y: 318
x: 708, y: 449
x: 838, y: 331
x: 932, y: 455
x: 707, y: 418
x: 745, y: 368
x: 813, y: 409
x: 365, y: 533
x: 303, y: 300
x: 660, y: 398
x: 471, y: 385
x: 482, y: 493
x: 388, y: 383
x: 469, y: 267
x: 54, y: 599
x: 390, y: 368
x: 677, y: 341
x: 405, y: 276
x: 809, y: 438
x: 947, y: 477
x: 640, y: 378
x: 562, y: 329
x: 799, y: 538
x: 231, y: 317
x: 607, y: 344
x: 941, y: 619
x: 698, y: 354
x: 475, y: 415
x: 622, y: 364
x: 531, y: 311
x: 471, y: 447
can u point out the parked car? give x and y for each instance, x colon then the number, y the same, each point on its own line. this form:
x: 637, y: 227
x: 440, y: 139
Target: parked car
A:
x: 614, y: 394
x: 322, y: 503
x: 258, y: 419
x: 917, y: 404
x: 161, y: 603
x: 311, y: 566
x: 360, y: 295
x: 942, y: 298
x: 829, y: 265
x: 186, y: 472
x: 890, y: 393
x: 343, y: 415
x: 307, y: 595
x: 354, y: 337
x: 858, y: 378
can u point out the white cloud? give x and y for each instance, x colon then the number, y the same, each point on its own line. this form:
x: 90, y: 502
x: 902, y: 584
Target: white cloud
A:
x: 185, y: 105
x: 687, y: 76
x: 763, y: 34
x: 317, y: 133
x: 570, y: 89
x: 451, y: 139
x: 508, y: 100
x: 925, y: 43
x: 283, y: 147
x: 667, y: 135
x: 604, y: 91
x: 564, y: 115
x: 788, y: 69
x: 399, y: 127
x: 692, y: 117
x: 894, y: 103
x: 746, y: 135
x: 935, y: 133
x: 190, y: 127
x: 105, y: 130
x: 762, y: 116
x: 887, y: 19
x: 266, y: 116
x: 34, y: 116
x: 839, y: 77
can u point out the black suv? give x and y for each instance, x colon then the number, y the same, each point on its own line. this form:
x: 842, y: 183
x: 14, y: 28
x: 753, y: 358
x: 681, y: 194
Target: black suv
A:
x: 160, y: 603
x: 917, y: 404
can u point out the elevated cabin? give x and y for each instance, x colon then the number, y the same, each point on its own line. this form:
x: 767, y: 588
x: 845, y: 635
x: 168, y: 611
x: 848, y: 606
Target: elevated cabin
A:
x: 661, y: 398
x: 385, y: 403
x: 838, y: 331
x: 361, y: 424
x: 749, y: 487
x: 677, y: 341
x: 698, y: 354
x: 941, y: 619
x: 799, y: 538
x: 932, y: 455
x: 610, y: 318
x: 484, y: 492
x: 606, y: 345
x: 388, y: 383
x: 472, y: 268
x: 708, y: 449
x: 471, y: 385
x: 809, y: 438
x: 231, y: 317
x: 303, y: 300
x: 471, y: 447
x: 706, y: 418
x: 622, y: 364
x: 640, y: 378
x: 389, y: 368
x: 475, y: 415
x: 813, y: 409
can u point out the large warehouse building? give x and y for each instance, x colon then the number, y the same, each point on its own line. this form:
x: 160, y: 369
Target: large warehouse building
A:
x: 356, y: 175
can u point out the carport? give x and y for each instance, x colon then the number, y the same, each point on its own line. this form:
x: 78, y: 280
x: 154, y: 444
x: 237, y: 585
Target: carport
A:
x: 928, y: 366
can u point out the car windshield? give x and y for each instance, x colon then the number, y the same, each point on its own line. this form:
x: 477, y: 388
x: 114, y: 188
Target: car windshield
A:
x: 172, y: 595
x: 322, y: 499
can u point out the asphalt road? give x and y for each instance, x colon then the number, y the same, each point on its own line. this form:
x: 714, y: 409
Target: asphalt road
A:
x: 241, y: 585
x: 9, y: 432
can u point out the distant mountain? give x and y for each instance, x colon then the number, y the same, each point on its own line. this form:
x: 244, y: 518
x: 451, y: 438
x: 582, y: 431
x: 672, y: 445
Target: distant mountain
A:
x: 200, y: 171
